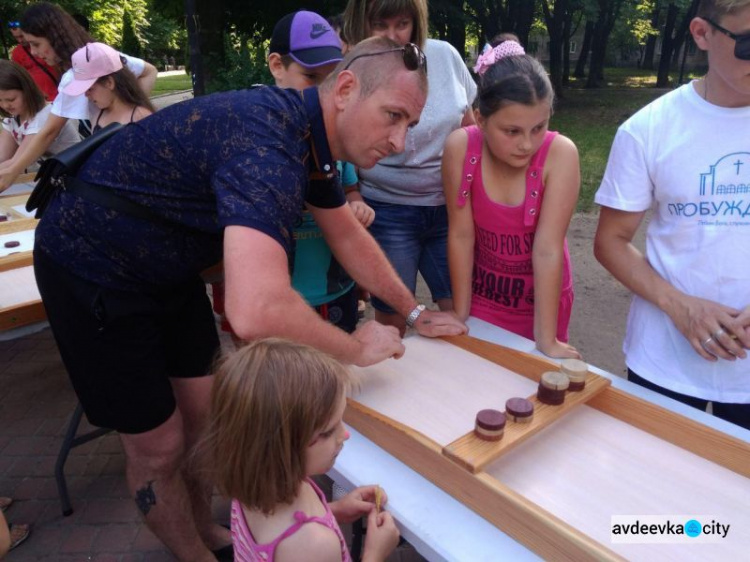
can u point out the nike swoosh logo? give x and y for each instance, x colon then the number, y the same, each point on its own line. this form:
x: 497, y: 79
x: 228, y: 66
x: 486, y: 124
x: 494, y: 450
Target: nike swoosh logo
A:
x: 316, y: 34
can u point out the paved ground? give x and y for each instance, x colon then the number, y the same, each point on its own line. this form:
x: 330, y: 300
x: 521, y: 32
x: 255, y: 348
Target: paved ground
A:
x: 35, y: 405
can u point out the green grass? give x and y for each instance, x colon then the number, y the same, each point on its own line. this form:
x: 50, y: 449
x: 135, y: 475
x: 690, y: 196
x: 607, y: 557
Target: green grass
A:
x: 169, y: 84
x: 591, y: 117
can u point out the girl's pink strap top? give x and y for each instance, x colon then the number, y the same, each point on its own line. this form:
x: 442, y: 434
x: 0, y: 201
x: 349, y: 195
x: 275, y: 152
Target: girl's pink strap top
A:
x: 247, y: 550
x: 534, y: 185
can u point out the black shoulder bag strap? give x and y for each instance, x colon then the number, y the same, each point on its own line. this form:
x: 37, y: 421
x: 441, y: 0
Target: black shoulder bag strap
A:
x: 53, y: 171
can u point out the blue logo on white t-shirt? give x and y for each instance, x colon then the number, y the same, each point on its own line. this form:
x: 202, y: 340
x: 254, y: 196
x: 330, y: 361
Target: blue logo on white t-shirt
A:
x: 733, y: 171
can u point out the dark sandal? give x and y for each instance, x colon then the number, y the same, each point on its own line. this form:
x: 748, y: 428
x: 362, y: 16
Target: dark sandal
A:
x: 18, y: 534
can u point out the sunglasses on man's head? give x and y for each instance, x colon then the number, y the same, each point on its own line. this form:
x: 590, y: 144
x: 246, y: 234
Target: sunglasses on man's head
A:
x: 14, y: 24
x: 414, y: 58
x: 741, y: 42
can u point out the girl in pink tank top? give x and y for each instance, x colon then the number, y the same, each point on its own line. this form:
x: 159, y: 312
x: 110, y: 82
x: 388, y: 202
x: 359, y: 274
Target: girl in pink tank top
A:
x: 511, y: 188
x: 276, y: 420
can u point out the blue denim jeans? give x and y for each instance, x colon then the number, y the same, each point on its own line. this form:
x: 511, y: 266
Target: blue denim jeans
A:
x: 738, y: 414
x: 415, y: 239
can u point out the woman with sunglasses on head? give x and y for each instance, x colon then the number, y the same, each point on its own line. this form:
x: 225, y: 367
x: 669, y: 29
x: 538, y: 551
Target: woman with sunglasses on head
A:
x: 406, y: 190
x: 686, y: 157
x: 54, y: 36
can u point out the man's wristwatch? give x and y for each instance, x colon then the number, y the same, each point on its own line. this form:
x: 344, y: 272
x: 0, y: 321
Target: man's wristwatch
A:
x: 414, y: 314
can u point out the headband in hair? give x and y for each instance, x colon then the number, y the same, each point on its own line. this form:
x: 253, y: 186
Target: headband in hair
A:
x: 491, y: 56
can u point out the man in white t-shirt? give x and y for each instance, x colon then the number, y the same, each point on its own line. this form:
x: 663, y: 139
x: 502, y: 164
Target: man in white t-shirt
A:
x: 687, y: 156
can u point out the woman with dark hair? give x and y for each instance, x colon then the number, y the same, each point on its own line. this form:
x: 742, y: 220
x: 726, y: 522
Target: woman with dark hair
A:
x: 45, y: 76
x: 110, y: 86
x: 54, y: 36
x: 25, y: 113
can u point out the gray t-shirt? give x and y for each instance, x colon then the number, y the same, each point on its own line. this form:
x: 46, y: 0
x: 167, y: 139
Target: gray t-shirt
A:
x: 413, y: 177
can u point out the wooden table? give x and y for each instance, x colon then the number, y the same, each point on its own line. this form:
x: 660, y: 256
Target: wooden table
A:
x: 443, y: 528
x: 20, y: 304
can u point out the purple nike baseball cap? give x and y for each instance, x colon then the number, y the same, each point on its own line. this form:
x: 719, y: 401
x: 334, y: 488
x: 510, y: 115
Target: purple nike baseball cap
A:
x: 307, y: 38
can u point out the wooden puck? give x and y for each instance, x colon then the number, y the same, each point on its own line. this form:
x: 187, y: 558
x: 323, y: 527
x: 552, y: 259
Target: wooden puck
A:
x: 577, y: 386
x: 490, y: 425
x: 12, y: 244
x: 554, y: 380
x: 520, y: 410
x: 550, y: 396
x: 576, y: 370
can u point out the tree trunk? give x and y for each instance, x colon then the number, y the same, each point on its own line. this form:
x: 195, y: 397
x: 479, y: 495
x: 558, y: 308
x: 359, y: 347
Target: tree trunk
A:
x: 486, y: 15
x: 521, y: 18
x: 588, y: 35
x: 194, y: 49
x: 210, y: 31
x: 598, y: 50
x: 683, y: 30
x: 609, y: 10
x: 567, y: 25
x: 554, y: 17
x: 457, y: 34
x: 667, y: 44
x: 496, y: 16
x: 648, y: 57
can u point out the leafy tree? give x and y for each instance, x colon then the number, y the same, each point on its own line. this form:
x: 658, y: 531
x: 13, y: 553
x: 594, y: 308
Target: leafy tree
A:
x: 496, y: 16
x: 632, y: 30
x: 130, y: 43
x: 450, y: 22
x: 164, y: 37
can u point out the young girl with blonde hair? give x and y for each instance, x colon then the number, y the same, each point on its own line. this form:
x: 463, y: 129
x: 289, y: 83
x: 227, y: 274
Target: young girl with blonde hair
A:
x: 511, y: 187
x: 276, y: 420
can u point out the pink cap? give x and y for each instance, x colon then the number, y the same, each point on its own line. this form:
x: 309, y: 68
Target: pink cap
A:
x: 90, y: 63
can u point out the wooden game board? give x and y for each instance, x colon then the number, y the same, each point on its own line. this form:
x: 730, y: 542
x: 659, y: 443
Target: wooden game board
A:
x: 556, y: 482
x: 20, y: 303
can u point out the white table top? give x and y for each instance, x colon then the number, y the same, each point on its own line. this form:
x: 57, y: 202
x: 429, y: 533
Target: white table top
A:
x: 440, y: 527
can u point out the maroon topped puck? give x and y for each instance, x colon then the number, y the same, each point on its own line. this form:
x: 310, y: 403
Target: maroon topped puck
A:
x: 491, y: 420
x: 3, y: 218
x: 490, y: 425
x: 519, y: 409
x: 12, y: 244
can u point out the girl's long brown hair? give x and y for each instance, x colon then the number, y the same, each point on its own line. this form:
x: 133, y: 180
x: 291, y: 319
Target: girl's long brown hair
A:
x: 65, y: 35
x: 127, y: 88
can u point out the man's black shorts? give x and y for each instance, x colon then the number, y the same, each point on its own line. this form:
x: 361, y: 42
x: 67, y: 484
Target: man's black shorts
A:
x: 120, y: 348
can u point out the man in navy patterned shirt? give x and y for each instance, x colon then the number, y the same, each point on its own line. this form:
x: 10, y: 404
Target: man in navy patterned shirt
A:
x: 227, y: 175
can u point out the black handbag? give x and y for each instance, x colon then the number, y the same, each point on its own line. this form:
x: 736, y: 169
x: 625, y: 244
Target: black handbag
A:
x: 52, y: 173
